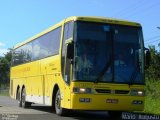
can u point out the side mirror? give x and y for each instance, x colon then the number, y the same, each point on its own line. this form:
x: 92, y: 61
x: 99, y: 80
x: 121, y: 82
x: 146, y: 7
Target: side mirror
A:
x: 70, y: 51
x: 69, y: 41
x: 147, y: 57
x: 70, y: 48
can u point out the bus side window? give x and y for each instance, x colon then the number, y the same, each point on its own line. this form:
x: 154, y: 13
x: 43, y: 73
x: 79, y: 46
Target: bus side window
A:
x: 36, y: 50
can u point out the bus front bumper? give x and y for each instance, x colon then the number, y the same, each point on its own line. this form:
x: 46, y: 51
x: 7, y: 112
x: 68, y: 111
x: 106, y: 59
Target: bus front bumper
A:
x: 107, y: 102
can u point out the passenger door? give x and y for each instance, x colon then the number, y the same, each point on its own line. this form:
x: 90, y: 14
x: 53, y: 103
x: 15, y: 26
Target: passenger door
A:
x: 66, y: 64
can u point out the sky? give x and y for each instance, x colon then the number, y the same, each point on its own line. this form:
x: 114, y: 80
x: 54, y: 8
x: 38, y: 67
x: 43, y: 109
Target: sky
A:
x: 22, y: 19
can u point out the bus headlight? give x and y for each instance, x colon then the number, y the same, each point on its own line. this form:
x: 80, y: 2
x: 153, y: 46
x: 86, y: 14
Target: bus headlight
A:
x: 137, y: 92
x: 82, y: 90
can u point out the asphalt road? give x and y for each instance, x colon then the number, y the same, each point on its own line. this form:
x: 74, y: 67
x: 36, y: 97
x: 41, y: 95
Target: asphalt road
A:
x: 9, y: 110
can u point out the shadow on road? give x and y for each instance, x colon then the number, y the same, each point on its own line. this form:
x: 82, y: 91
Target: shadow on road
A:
x: 97, y: 115
x: 89, y: 115
x: 77, y: 115
x: 43, y: 108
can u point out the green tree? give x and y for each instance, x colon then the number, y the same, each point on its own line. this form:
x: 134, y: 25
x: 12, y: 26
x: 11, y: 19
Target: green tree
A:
x: 153, y: 72
x: 5, y: 63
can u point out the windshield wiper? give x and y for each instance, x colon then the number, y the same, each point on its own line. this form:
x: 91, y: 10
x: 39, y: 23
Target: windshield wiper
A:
x: 102, y: 73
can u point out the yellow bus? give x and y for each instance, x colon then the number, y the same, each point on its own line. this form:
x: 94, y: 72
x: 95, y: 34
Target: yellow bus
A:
x: 81, y: 63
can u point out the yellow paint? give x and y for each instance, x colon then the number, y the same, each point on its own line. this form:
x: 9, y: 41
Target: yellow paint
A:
x: 39, y: 78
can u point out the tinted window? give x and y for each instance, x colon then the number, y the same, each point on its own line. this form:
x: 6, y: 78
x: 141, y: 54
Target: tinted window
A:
x: 55, y: 43
x: 108, y: 53
x: 36, y: 49
x: 39, y: 48
x: 17, y: 56
x: 68, y: 32
x: 47, y: 44
x: 28, y: 52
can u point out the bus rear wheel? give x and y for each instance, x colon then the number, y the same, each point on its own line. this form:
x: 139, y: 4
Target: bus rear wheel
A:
x: 23, y: 98
x: 59, y: 110
x: 19, y: 98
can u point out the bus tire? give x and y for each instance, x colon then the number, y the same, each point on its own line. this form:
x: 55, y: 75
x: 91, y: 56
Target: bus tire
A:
x: 59, y: 110
x: 23, y: 99
x: 19, y: 98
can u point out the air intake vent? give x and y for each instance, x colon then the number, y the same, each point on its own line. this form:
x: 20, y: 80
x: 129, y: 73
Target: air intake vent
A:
x: 103, y: 91
x: 121, y: 91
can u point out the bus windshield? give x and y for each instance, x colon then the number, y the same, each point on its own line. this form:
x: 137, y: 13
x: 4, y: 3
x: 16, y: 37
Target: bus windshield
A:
x: 108, y: 53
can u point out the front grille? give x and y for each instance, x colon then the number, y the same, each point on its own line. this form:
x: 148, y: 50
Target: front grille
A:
x: 103, y: 91
x: 121, y: 91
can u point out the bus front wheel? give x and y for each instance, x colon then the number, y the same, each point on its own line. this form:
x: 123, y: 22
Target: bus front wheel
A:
x: 23, y: 98
x: 59, y: 110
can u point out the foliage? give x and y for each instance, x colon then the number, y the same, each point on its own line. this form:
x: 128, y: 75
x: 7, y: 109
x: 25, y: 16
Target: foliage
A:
x: 152, y: 100
x: 152, y: 106
x: 153, y: 89
x: 5, y: 63
x: 153, y: 71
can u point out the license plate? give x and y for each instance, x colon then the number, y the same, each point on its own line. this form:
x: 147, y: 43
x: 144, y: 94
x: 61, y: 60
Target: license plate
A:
x: 112, y: 101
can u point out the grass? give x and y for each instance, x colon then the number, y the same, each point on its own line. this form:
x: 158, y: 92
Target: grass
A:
x: 4, y: 93
x: 152, y: 100
x: 152, y: 106
x: 4, y: 89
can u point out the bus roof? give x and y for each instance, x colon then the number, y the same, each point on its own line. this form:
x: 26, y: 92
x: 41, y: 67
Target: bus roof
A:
x: 103, y: 20
x: 81, y: 18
